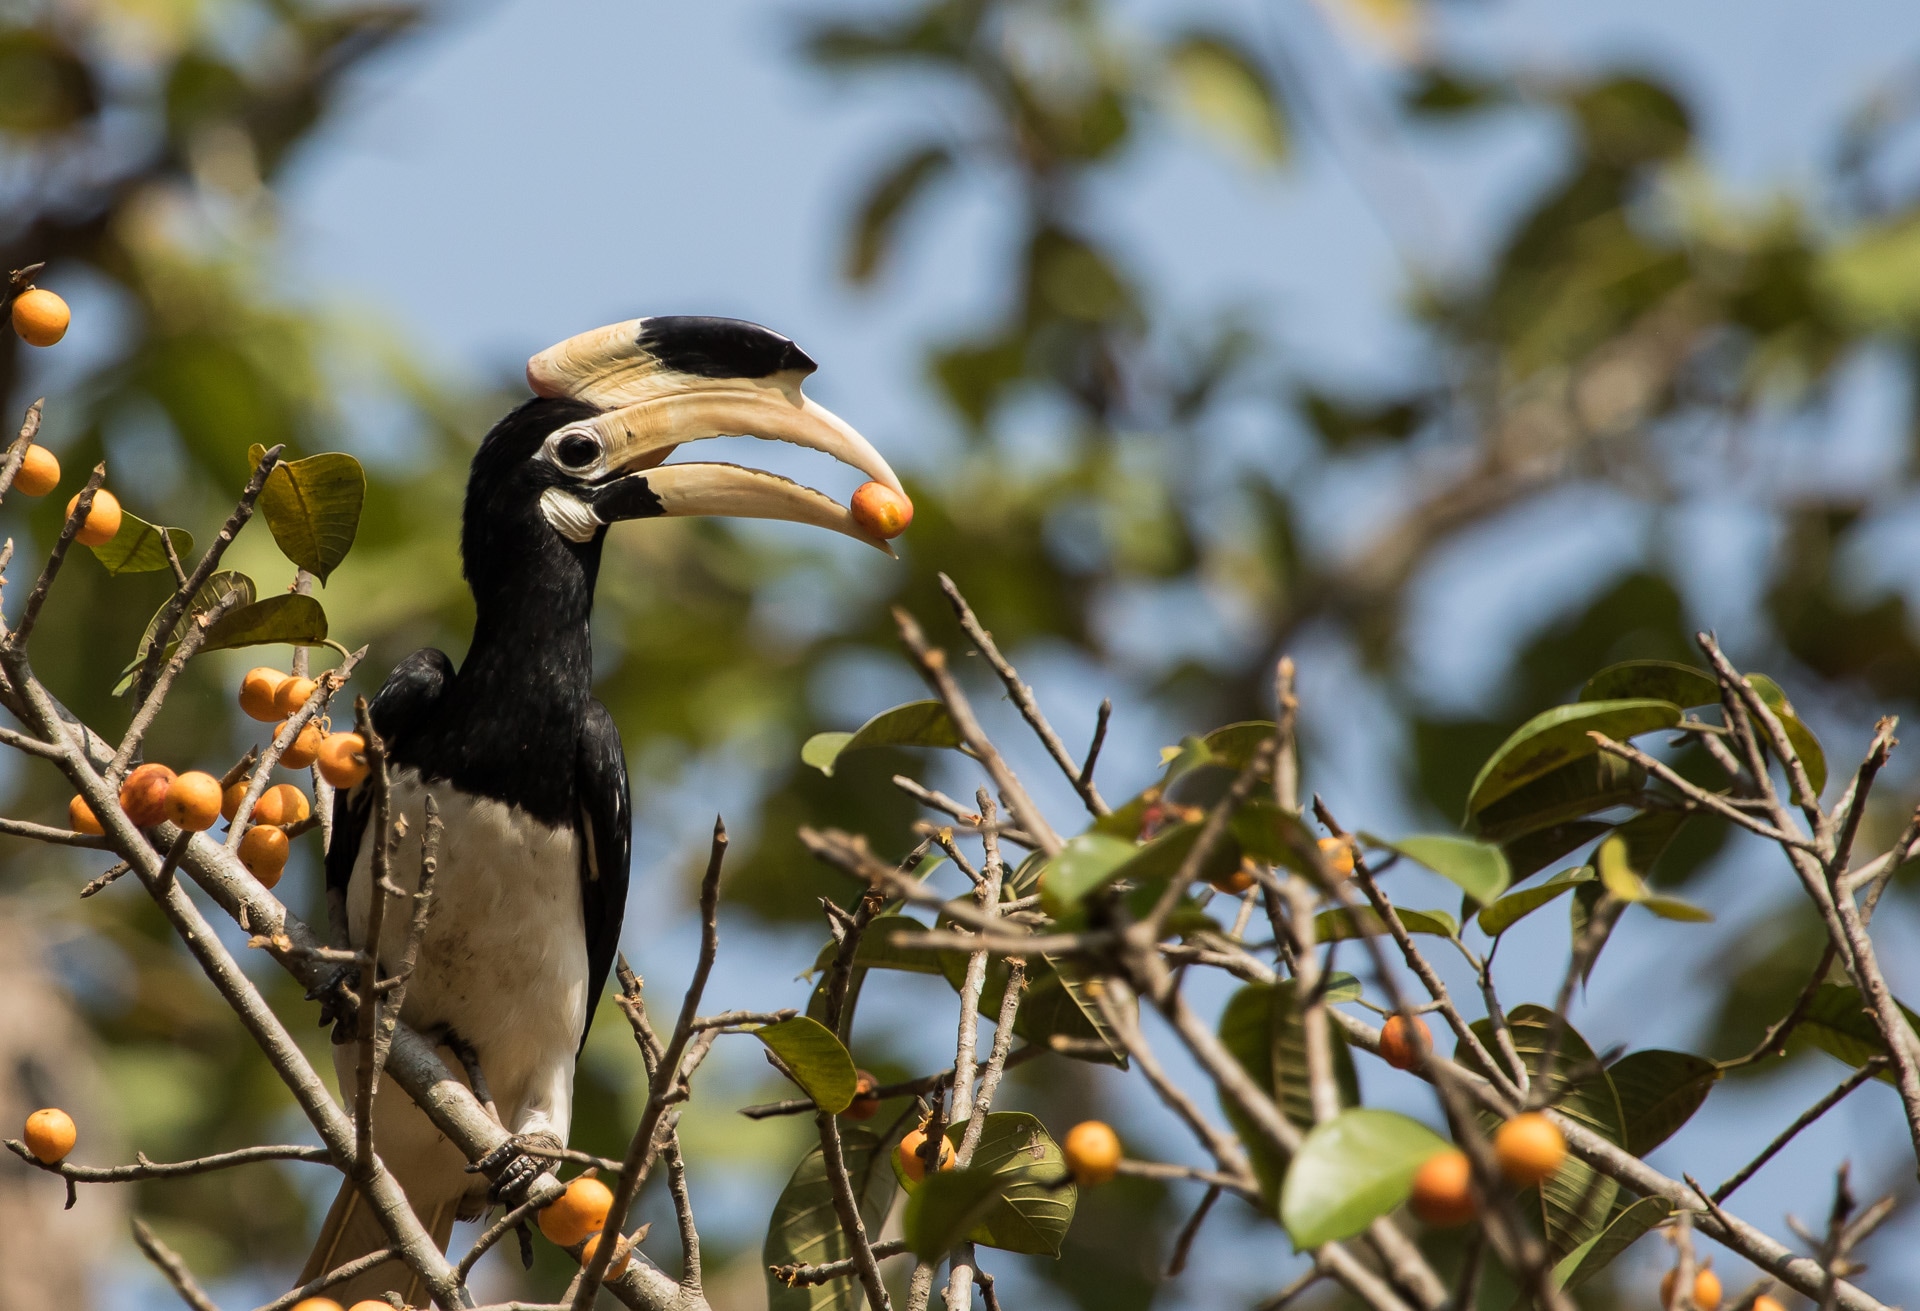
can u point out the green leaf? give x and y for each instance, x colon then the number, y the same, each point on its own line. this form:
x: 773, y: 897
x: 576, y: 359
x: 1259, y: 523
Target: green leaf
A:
x: 1838, y: 1022
x: 1352, y: 1170
x: 822, y: 749
x: 295, y: 620
x: 137, y: 549
x: 215, y: 590
x: 1338, y: 925
x: 805, y: 1229
x: 1617, y: 874
x: 1031, y: 1204
x: 1261, y: 1027
x: 1087, y: 863
x: 1659, y: 1092
x: 1056, y: 1003
x: 1234, y: 746
x: 1575, y: 1201
x: 1673, y: 908
x: 1224, y: 90
x: 887, y: 201
x: 815, y: 1058
x: 1515, y: 906
x: 1555, y: 737
x: 945, y: 1208
x: 1527, y: 856
x: 312, y: 507
x: 1626, y: 1229
x: 1657, y: 680
x: 1582, y: 787
x: 915, y: 724
x: 1269, y: 833
x: 1799, y: 736
x: 1478, y: 869
x: 877, y: 951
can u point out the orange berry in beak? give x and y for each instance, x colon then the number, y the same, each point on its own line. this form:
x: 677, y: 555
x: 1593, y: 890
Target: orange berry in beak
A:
x: 881, y: 511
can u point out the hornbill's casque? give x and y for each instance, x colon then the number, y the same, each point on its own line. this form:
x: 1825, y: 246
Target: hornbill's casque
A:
x: 524, y: 764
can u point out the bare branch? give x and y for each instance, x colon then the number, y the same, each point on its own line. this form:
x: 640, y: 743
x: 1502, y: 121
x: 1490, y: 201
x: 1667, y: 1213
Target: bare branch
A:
x: 172, y: 1267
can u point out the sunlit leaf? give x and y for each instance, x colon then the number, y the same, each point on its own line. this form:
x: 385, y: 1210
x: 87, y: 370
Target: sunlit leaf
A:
x: 915, y: 724
x: 1234, y: 746
x: 1555, y: 737
x: 815, y: 1058
x: 137, y: 548
x: 1515, y: 906
x: 1799, y: 736
x: 1659, y: 1092
x: 1225, y: 91
x: 1337, y: 925
x: 805, y: 1228
x: 1262, y: 1028
x: 1087, y: 862
x: 945, y: 1208
x: 295, y: 620
x: 1014, y: 1196
x: 312, y: 507
x: 1478, y: 869
x: 1352, y: 1170
x: 1658, y: 680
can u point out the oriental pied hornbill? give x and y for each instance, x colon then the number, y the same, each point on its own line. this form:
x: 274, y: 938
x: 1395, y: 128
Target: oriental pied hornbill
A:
x: 525, y: 766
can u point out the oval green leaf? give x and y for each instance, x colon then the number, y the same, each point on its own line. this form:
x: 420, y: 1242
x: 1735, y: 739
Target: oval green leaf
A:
x: 945, y: 1208
x: 1658, y: 680
x: 312, y: 507
x: 822, y: 749
x: 1516, y: 906
x: 295, y: 620
x: 915, y: 724
x: 1087, y: 863
x: 1223, y: 90
x: 1555, y: 737
x: 1032, y: 1203
x: 1659, y: 1092
x: 815, y: 1058
x: 1350, y: 1171
x: 1338, y: 925
x: 1805, y: 745
x: 1478, y: 869
x: 1594, y: 783
x: 1626, y: 1229
x: 137, y: 548
x: 805, y: 1228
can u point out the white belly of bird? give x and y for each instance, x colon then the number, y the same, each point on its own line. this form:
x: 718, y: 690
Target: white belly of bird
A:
x: 504, y: 961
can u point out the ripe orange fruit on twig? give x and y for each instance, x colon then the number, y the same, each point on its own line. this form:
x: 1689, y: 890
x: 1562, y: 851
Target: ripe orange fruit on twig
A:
x: 324, y: 1304
x: 264, y: 852
x: 1338, y: 854
x: 40, y: 317
x: 1530, y: 1147
x: 343, y: 761
x: 193, y: 801
x: 281, y: 804
x: 80, y: 818
x: 912, y: 1164
x: 1396, y: 1041
x: 881, y: 511
x: 39, y: 472
x: 257, y: 690
x: 50, y: 1135
x: 144, y: 795
x: 304, y: 749
x: 617, y: 1266
x: 1706, y: 1290
x: 292, y: 694
x: 102, y: 521
x: 231, y: 797
x: 578, y: 1212
x: 1443, y: 1190
x: 1092, y: 1150
x: 864, y: 1105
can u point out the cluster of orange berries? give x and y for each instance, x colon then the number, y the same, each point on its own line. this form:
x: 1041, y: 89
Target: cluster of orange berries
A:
x: 39, y: 473
x: 195, y: 801
x: 328, y: 1304
x: 1091, y: 1148
x: 578, y: 1216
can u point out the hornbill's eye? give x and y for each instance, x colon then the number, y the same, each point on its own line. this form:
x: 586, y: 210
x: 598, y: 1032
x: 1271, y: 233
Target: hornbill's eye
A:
x: 576, y: 451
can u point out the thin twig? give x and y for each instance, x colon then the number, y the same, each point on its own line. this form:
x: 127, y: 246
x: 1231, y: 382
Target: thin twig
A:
x: 82, y: 507
x: 172, y: 1267
x: 1868, y: 1070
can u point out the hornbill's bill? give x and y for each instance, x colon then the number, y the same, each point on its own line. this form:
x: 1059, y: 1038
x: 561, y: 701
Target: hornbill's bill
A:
x: 525, y: 766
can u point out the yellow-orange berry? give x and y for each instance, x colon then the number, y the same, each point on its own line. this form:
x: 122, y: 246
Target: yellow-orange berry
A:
x: 371, y: 1304
x: 144, y: 795
x: 40, y: 317
x: 617, y: 1265
x: 1235, y: 880
x: 102, y: 521
x: 1396, y: 1041
x: 326, y: 1304
x: 193, y: 801
x: 231, y: 797
x: 578, y: 1212
x: 881, y: 511
x: 1706, y: 1290
x: 304, y: 749
x: 912, y: 1164
x: 39, y: 472
x: 292, y: 694
x: 1530, y: 1148
x: 50, y: 1135
x: 1443, y: 1190
x: 264, y: 852
x: 1338, y: 855
x: 1092, y: 1150
x: 257, y: 691
x: 281, y: 804
x: 1765, y: 1303
x: 80, y: 817
x: 864, y: 1105
x: 343, y: 760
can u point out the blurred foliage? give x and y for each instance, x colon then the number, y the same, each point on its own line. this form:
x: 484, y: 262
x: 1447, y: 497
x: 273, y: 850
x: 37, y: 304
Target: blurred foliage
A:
x: 1630, y: 335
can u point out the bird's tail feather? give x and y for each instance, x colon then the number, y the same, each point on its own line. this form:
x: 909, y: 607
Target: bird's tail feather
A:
x: 351, y: 1231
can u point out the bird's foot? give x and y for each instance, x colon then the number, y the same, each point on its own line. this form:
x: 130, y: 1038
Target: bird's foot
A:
x: 512, y: 1169
x: 336, y: 997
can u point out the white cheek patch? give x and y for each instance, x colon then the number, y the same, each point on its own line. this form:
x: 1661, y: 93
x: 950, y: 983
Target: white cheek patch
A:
x: 570, y: 516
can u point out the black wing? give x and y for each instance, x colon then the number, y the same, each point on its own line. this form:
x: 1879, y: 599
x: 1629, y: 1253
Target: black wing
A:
x: 404, y: 701
x: 606, y: 847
